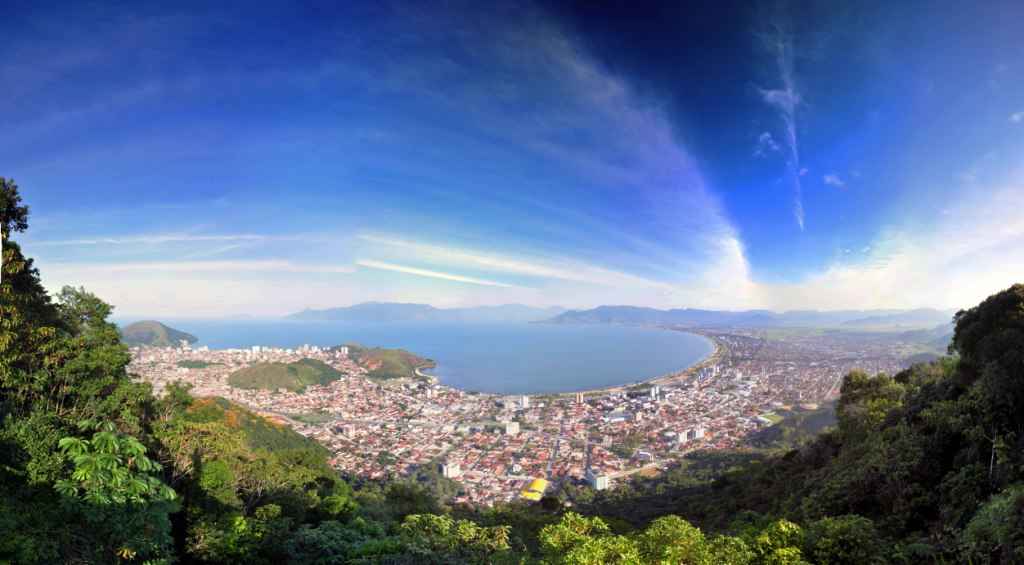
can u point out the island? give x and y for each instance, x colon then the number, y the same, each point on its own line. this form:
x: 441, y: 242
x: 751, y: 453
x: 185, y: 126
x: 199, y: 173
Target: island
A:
x: 386, y: 364
x: 154, y: 334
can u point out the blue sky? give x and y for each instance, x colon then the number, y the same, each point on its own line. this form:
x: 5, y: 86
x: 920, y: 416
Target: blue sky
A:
x: 212, y: 160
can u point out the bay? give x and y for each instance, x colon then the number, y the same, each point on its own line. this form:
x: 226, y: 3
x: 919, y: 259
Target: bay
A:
x: 503, y: 358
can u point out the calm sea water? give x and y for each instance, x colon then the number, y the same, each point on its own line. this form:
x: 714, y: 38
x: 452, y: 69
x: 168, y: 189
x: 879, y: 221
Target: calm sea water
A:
x: 510, y: 358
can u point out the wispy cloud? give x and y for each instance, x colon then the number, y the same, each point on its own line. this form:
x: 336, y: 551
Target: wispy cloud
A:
x: 1017, y: 117
x: 975, y: 250
x: 832, y: 179
x: 370, y: 264
x: 560, y: 269
x: 766, y: 144
x: 152, y: 239
x: 221, y: 267
x: 785, y: 100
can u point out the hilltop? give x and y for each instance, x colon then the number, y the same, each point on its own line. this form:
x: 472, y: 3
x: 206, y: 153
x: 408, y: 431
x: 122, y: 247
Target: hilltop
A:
x: 401, y: 312
x: 385, y: 364
x: 154, y: 334
x: 292, y: 376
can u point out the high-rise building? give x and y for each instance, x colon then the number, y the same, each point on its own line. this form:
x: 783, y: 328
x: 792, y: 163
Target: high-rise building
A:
x: 655, y: 392
x: 511, y: 428
x: 524, y: 402
x: 579, y: 398
x: 451, y: 470
x: 597, y: 482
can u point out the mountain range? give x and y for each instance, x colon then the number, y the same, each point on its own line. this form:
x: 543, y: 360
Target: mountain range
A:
x: 845, y: 319
x: 403, y: 312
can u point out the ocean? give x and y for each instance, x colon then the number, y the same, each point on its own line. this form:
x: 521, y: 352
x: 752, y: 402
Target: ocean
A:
x: 505, y: 358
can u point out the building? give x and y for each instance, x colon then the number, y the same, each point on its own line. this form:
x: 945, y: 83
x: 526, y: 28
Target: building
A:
x: 535, y: 490
x: 579, y: 398
x: 655, y: 392
x: 511, y: 428
x: 597, y: 482
x: 524, y: 402
x: 343, y: 350
x: 345, y: 430
x: 450, y: 470
x: 691, y: 434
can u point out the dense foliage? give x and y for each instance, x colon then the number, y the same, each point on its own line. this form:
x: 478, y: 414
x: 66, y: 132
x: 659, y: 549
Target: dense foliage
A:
x: 923, y: 466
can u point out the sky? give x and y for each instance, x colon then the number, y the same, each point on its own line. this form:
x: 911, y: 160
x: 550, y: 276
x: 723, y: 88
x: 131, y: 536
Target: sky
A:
x: 223, y: 159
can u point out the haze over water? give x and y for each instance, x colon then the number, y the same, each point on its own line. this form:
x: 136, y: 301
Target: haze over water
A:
x: 509, y: 358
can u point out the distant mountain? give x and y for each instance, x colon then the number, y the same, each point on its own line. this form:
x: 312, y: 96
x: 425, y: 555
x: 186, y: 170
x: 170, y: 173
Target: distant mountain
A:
x: 401, y: 312
x: 850, y: 319
x: 154, y: 334
x: 937, y: 338
x: 922, y: 317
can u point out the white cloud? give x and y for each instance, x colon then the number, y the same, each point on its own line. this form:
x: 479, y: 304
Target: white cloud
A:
x: 832, y: 179
x: 786, y: 100
x: 976, y: 250
x: 370, y: 264
x: 561, y: 268
x: 223, y: 267
x: 766, y: 144
x: 149, y: 239
x: 1017, y: 117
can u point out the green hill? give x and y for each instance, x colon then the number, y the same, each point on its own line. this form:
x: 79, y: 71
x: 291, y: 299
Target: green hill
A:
x: 292, y: 376
x: 383, y: 363
x: 258, y: 431
x: 154, y: 334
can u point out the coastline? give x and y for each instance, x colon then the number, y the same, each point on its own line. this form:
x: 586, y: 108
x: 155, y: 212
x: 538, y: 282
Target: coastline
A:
x: 669, y: 378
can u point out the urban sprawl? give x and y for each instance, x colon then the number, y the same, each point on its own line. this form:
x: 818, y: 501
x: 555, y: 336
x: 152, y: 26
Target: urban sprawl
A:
x: 501, y: 447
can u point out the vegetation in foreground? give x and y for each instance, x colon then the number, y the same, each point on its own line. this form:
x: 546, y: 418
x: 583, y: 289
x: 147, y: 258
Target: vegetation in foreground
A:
x: 923, y: 466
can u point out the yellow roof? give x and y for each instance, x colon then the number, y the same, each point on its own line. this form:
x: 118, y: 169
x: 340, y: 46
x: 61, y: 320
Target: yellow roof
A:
x: 535, y: 490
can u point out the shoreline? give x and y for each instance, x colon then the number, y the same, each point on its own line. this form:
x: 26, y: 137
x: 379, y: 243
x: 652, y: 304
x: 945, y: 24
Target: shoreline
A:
x: 667, y: 378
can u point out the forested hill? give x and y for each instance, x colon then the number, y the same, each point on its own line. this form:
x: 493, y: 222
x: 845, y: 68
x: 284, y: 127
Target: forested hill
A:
x: 155, y: 334
x: 295, y: 376
x: 926, y: 466
x: 384, y: 364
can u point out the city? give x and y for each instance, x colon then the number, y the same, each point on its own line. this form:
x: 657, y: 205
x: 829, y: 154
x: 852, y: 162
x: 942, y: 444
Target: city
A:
x: 501, y: 447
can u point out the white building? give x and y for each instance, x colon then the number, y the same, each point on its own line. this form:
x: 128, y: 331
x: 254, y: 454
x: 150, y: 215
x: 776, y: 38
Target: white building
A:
x: 451, y: 470
x: 597, y: 482
x: 524, y: 402
x: 511, y: 428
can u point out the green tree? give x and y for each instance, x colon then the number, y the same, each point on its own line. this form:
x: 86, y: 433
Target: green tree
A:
x: 996, y: 533
x: 843, y: 540
x: 116, y: 488
x: 864, y: 403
